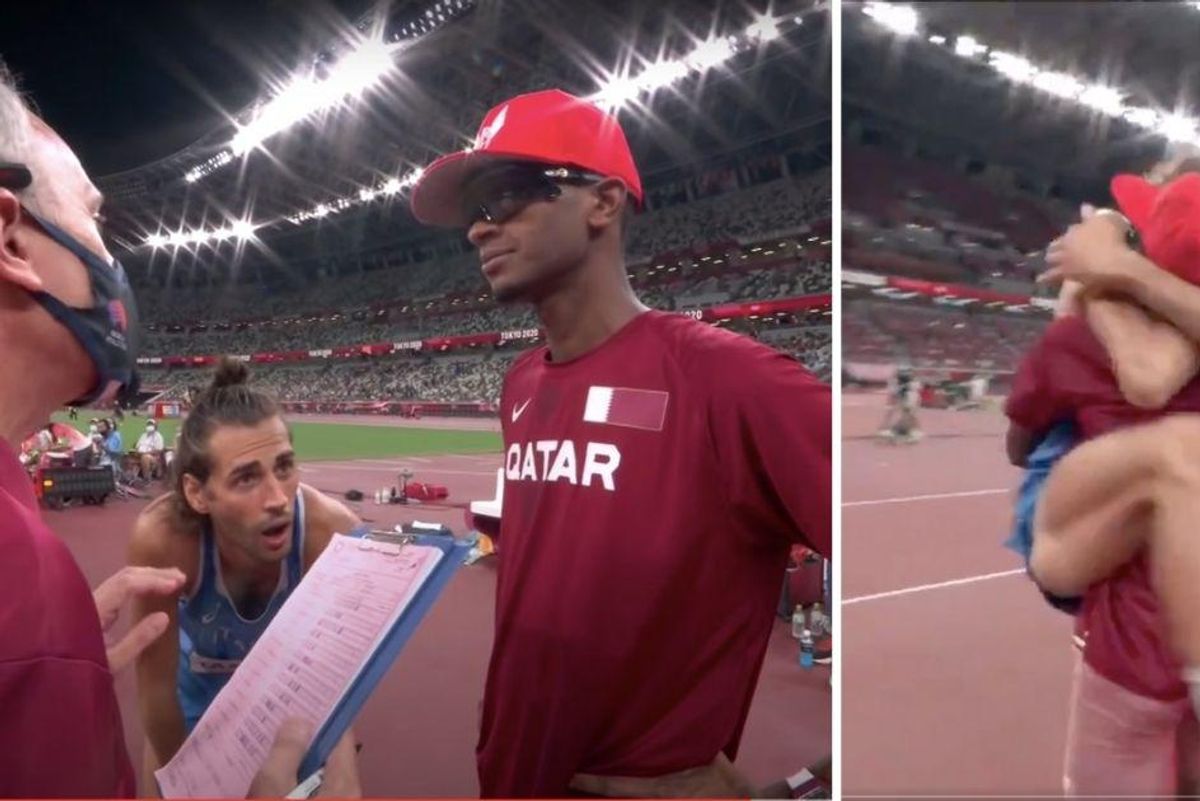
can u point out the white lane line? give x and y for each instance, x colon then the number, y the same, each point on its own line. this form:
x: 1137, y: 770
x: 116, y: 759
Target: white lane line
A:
x: 317, y: 467
x: 496, y: 460
x: 937, y: 497
x: 939, y: 585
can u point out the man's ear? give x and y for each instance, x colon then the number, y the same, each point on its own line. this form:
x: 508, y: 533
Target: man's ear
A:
x: 193, y: 493
x: 611, y: 196
x: 16, y: 266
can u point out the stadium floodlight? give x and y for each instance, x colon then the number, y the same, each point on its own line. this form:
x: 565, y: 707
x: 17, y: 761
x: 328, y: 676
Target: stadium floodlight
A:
x: 764, y: 28
x: 710, y: 53
x: 899, y: 19
x: 659, y: 74
x: 208, y: 166
x: 619, y: 90
x: 242, y: 229
x: 1012, y: 66
x: 1177, y: 128
x: 411, y: 179
x: 1103, y: 99
x: 615, y: 92
x: 352, y: 75
x: 1059, y: 83
x: 239, y: 229
x: 965, y: 46
x: 1142, y: 117
x: 1094, y: 96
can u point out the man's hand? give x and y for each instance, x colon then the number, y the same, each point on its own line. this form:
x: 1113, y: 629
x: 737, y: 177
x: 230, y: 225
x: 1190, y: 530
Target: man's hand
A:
x: 1086, y: 253
x: 115, y: 594
x: 278, y: 775
x: 719, y: 779
x: 1070, y: 300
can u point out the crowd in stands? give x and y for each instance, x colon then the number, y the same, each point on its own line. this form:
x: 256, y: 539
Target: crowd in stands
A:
x: 974, y: 229
x: 784, y: 208
x: 762, y: 211
x: 890, y: 332
x: 657, y: 289
x: 812, y: 346
x: 710, y: 243
x: 475, y: 378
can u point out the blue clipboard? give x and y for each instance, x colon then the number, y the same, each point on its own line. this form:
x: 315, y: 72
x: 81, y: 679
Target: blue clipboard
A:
x: 454, y: 551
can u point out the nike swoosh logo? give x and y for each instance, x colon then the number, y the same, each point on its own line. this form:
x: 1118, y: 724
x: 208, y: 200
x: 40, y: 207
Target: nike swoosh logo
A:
x: 520, y: 410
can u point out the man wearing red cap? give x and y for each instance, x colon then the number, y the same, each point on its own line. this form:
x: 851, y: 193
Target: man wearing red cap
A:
x: 657, y: 470
x: 1116, y: 520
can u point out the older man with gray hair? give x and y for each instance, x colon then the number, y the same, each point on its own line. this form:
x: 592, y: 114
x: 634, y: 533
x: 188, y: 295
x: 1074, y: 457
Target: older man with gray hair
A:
x: 67, y: 326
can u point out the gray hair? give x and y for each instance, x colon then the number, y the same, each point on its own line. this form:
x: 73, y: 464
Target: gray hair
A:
x: 16, y: 130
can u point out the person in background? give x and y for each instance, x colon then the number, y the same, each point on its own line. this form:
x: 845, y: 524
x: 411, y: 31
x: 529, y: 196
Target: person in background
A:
x: 150, y: 447
x: 61, y: 733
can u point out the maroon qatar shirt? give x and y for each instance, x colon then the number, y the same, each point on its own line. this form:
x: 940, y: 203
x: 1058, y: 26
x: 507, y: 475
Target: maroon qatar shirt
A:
x: 1068, y: 376
x: 653, y: 488
x: 60, y: 726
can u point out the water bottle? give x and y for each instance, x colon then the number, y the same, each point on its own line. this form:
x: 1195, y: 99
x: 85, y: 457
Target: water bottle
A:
x: 806, y: 649
x: 820, y: 621
x: 798, y: 621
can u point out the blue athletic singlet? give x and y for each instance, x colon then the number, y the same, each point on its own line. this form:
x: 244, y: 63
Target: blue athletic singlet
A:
x: 213, y: 637
x: 1052, y: 447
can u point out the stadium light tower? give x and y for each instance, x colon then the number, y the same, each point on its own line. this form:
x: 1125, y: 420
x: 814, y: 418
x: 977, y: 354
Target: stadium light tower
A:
x: 764, y: 28
x: 353, y: 74
x: 898, y: 19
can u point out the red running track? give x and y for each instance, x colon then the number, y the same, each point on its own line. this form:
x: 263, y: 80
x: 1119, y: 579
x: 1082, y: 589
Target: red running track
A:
x: 419, y: 728
x: 948, y: 688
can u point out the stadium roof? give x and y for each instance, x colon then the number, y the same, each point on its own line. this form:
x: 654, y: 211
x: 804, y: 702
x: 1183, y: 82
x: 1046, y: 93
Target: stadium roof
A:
x: 454, y: 60
x: 927, y: 86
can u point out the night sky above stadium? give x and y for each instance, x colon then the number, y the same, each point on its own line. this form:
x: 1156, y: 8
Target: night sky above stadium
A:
x: 129, y: 82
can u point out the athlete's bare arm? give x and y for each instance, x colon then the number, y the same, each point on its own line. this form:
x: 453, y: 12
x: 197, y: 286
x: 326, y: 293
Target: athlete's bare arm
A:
x: 161, y: 539
x: 324, y: 517
x: 1152, y: 359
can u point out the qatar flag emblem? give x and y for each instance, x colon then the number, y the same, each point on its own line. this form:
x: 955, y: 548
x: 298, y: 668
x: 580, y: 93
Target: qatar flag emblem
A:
x: 633, y: 408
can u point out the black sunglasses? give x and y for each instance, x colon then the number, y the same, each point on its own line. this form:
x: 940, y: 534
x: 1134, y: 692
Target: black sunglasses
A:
x: 15, y: 176
x: 501, y: 195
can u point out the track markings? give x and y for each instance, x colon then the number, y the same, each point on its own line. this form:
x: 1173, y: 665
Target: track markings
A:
x: 936, y: 497
x: 317, y: 467
x: 937, y: 586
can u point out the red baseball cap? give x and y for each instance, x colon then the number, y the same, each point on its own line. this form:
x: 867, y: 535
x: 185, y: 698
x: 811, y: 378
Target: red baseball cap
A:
x: 548, y: 127
x: 1136, y: 197
x: 1164, y: 216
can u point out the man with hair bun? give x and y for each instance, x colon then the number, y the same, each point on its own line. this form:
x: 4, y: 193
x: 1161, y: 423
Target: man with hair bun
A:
x: 243, y: 530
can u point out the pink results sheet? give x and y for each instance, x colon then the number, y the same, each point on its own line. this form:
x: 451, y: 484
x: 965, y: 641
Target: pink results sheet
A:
x: 302, y: 665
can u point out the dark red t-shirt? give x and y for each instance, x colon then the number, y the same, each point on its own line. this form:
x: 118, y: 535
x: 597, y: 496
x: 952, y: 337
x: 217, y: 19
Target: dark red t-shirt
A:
x: 1068, y: 376
x: 60, y: 726
x: 653, y: 489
